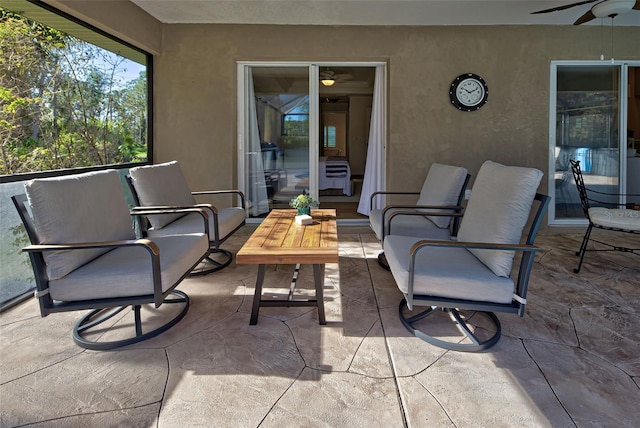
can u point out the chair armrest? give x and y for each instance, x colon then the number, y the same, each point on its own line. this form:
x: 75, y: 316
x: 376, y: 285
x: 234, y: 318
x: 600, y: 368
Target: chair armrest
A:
x: 610, y: 194
x: 456, y: 213
x: 222, y: 192
x: 529, y: 250
x: 151, y: 246
x: 374, y: 194
x: 415, y: 248
x: 166, y: 209
x: 171, y: 209
x: 455, y: 209
x: 606, y: 203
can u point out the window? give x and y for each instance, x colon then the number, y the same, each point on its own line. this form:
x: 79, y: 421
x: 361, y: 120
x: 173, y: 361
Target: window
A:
x: 296, y: 122
x: 330, y: 136
x: 72, y: 98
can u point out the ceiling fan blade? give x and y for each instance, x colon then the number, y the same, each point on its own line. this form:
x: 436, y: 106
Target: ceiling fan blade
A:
x: 566, y: 6
x: 637, y: 5
x: 588, y: 16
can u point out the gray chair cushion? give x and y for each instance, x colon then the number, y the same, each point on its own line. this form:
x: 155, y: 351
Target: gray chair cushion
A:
x: 133, y: 275
x: 163, y: 184
x: 616, y: 218
x: 442, y: 187
x: 91, y: 207
x: 228, y: 220
x: 454, y: 273
x: 498, y: 210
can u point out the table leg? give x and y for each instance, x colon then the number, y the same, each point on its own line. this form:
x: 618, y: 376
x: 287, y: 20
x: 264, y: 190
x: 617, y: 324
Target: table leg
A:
x: 257, y: 295
x: 318, y: 277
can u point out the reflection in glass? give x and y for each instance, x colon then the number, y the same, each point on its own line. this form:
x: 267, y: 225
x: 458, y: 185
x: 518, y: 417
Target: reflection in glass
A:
x: 277, y: 143
x: 587, y: 118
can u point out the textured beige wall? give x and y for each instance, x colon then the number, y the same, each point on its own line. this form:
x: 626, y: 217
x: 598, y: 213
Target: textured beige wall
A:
x: 196, y: 89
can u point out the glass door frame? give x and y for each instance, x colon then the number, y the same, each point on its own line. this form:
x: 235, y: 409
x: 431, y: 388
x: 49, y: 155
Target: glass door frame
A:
x: 623, y: 67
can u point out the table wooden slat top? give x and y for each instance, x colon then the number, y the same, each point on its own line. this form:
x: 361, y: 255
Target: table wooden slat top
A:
x: 280, y: 240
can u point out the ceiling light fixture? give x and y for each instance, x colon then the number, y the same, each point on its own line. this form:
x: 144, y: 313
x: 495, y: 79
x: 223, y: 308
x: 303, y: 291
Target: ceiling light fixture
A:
x: 328, y: 82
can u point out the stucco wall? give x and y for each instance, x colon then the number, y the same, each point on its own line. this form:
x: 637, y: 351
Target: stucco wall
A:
x: 196, y: 89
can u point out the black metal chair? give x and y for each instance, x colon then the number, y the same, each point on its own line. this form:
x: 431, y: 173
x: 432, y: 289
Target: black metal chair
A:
x: 474, y: 271
x: 85, y: 255
x: 607, y: 214
x: 164, y: 185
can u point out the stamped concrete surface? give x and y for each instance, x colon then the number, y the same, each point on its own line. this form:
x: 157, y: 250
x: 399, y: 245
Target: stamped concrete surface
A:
x: 572, y: 361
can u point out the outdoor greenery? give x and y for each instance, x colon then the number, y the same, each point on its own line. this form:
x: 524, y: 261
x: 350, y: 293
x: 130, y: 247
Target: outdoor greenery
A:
x: 64, y: 102
x: 587, y: 119
x: 295, y: 125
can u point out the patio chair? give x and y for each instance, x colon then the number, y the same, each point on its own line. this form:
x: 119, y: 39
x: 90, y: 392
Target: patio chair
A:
x: 85, y: 255
x: 469, y: 278
x: 609, y: 215
x: 164, y: 185
x: 441, y: 195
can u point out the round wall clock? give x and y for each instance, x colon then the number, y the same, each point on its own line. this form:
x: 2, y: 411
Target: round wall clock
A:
x: 469, y: 92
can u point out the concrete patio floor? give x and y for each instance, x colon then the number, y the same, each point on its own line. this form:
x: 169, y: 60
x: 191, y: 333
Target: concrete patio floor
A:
x: 573, y: 360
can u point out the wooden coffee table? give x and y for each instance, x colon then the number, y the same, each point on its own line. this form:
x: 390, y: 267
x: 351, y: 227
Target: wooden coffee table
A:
x: 279, y: 240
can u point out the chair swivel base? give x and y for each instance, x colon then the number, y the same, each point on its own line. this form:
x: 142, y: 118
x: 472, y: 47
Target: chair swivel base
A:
x: 382, y: 261
x: 476, y: 344
x: 92, y: 322
x: 217, y: 259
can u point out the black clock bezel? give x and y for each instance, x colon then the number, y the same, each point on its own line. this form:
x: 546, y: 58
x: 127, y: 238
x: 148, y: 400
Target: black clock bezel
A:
x: 453, y: 91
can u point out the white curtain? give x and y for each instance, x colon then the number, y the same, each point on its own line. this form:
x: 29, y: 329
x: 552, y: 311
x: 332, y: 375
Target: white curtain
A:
x: 375, y: 165
x: 255, y: 170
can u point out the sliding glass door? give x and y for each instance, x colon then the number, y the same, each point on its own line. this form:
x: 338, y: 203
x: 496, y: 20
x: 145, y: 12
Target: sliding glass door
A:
x: 283, y: 151
x: 588, y: 123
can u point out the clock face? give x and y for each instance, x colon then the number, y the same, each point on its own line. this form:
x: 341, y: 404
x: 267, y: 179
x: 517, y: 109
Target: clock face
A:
x: 468, y: 92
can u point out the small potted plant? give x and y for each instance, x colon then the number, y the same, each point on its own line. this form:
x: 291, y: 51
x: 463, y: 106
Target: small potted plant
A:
x: 303, y: 203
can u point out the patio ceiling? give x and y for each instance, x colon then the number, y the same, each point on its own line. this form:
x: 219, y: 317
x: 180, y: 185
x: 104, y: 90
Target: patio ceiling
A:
x: 371, y: 12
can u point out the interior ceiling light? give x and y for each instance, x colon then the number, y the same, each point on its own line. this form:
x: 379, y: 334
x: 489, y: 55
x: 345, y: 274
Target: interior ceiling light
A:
x: 328, y: 82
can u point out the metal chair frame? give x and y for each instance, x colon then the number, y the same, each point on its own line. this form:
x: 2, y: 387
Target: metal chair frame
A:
x: 586, y: 200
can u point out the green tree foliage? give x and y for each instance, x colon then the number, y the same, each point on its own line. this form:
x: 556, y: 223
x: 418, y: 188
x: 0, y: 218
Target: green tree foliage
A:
x: 63, y: 103
x: 296, y: 127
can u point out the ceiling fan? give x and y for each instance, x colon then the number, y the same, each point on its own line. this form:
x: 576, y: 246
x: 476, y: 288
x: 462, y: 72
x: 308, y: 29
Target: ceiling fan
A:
x: 328, y: 77
x: 602, y: 9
